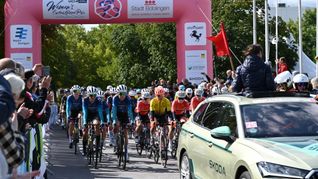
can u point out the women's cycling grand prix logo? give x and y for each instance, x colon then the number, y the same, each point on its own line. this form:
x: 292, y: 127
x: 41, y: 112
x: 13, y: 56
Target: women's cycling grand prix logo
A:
x: 108, y: 9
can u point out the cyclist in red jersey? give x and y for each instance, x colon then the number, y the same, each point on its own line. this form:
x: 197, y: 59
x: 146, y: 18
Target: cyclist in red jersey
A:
x: 197, y: 99
x: 179, y: 109
x: 142, y: 110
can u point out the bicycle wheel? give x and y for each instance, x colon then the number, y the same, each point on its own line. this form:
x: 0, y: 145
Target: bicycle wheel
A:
x: 96, y: 151
x: 156, y: 156
x: 120, y: 150
x: 163, y: 149
x: 139, y: 149
x: 124, y: 157
x: 75, y: 148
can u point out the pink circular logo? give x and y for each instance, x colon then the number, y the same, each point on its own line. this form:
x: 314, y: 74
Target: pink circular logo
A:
x: 108, y: 9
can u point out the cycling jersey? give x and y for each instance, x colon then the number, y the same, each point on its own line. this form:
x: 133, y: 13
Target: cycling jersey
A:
x: 73, y: 106
x: 180, y: 108
x: 122, y: 109
x: 92, y: 111
x: 160, y: 107
x: 195, y: 101
x: 142, y: 108
x: 105, y: 109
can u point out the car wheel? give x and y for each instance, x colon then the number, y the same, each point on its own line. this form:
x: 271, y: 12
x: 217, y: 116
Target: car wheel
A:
x: 185, y: 167
x: 245, y: 175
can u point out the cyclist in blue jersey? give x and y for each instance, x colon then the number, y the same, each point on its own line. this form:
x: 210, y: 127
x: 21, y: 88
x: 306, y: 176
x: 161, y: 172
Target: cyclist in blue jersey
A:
x: 92, y: 112
x: 73, y: 110
x: 122, y: 111
x: 112, y: 92
x: 106, y: 114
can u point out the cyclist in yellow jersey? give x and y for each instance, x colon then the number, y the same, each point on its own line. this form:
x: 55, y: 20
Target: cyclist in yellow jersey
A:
x: 160, y: 109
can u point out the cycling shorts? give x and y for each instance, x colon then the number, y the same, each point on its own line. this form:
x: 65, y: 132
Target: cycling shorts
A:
x: 161, y: 119
x: 122, y: 117
x: 144, y: 119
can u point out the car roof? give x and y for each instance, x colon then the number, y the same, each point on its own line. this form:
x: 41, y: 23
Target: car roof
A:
x: 243, y: 100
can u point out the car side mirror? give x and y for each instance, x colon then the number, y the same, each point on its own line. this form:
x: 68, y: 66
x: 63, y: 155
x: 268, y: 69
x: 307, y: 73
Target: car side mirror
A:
x: 223, y: 133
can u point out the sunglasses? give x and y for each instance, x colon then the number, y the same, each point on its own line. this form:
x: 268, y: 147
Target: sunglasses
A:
x: 92, y: 95
x: 122, y: 94
x: 76, y: 91
x: 181, y: 98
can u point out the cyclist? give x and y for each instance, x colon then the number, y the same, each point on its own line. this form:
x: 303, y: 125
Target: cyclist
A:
x: 92, y: 112
x: 197, y: 99
x: 167, y: 94
x: 63, y: 107
x: 73, y: 110
x: 138, y: 92
x: 102, y: 96
x: 142, y: 109
x: 122, y: 112
x: 160, y: 109
x: 180, y: 109
x: 189, y: 94
x: 181, y: 88
x: 112, y: 92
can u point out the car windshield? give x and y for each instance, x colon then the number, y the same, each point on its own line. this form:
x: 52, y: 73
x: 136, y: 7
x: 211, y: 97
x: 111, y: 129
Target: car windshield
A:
x: 280, y: 119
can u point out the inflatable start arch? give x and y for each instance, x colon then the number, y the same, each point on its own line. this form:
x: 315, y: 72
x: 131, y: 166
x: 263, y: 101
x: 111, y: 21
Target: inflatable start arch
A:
x: 23, y: 19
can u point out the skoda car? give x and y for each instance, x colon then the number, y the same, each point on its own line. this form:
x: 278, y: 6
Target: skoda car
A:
x: 238, y: 137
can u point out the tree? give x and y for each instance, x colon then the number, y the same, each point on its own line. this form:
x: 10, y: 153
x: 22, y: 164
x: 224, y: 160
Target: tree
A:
x: 239, y: 31
x: 308, y: 30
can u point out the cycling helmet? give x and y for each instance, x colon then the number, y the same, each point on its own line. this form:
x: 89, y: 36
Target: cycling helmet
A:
x: 180, y: 94
x: 159, y: 91
x: 122, y: 89
x: 166, y: 90
x: 283, y: 77
x: 109, y: 87
x: 75, y: 88
x: 224, y: 90
x: 144, y: 90
x: 112, y: 90
x: 300, y: 78
x: 100, y: 93
x: 66, y: 90
x: 146, y: 95
x: 91, y: 90
x: 182, y: 88
x: 138, y: 91
x: 132, y: 93
x: 189, y: 91
x: 198, y: 92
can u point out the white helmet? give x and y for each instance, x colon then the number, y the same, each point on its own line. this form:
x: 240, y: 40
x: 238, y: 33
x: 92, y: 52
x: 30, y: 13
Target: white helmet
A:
x: 91, y: 90
x: 189, y: 91
x: 198, y: 92
x: 144, y: 90
x: 224, y: 90
x: 300, y: 78
x: 75, y: 88
x: 132, y: 93
x: 166, y: 90
x: 112, y: 90
x: 100, y: 93
x: 283, y: 77
x: 122, y: 89
x: 109, y: 87
x: 146, y: 95
x: 180, y: 94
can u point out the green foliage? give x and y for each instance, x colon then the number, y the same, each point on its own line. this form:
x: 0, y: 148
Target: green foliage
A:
x: 239, y: 31
x: 308, y: 30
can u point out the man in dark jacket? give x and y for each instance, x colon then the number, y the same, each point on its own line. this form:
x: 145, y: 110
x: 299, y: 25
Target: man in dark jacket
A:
x: 253, y: 74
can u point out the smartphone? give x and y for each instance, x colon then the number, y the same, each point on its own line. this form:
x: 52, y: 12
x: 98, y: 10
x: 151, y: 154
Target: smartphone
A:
x: 45, y: 70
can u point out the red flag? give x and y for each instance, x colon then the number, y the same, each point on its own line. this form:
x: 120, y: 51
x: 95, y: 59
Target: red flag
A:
x: 220, y: 42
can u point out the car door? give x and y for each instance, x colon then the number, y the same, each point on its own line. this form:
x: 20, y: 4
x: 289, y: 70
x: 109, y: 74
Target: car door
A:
x: 195, y: 142
x: 217, y: 153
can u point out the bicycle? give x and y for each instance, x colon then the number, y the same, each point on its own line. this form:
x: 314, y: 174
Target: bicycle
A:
x: 143, y: 140
x: 163, y: 144
x: 92, y: 146
x: 176, y: 134
x: 75, y: 138
x: 121, y: 147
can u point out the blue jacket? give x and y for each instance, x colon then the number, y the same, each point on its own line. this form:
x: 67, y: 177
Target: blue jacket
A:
x: 253, y: 75
x: 7, y: 105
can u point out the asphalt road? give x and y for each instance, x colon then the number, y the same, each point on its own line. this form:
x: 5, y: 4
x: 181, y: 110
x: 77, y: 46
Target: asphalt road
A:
x: 64, y: 164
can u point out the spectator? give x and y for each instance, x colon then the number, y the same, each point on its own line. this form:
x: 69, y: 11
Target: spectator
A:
x: 314, y: 83
x: 229, y: 78
x: 282, y: 66
x: 253, y: 74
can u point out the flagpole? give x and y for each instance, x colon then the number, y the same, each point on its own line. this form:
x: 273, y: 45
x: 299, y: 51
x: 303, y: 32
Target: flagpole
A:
x: 300, y: 47
x: 266, y: 32
x: 254, y: 23
x: 276, y: 52
x: 316, y: 38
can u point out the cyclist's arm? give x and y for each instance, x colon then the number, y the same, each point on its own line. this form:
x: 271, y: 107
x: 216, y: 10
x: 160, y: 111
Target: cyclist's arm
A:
x: 173, y: 108
x: 114, y: 111
x: 130, y: 112
x: 68, y: 107
x: 84, y: 112
x: 168, y: 108
x: 152, y: 109
x: 187, y: 108
x: 100, y: 112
